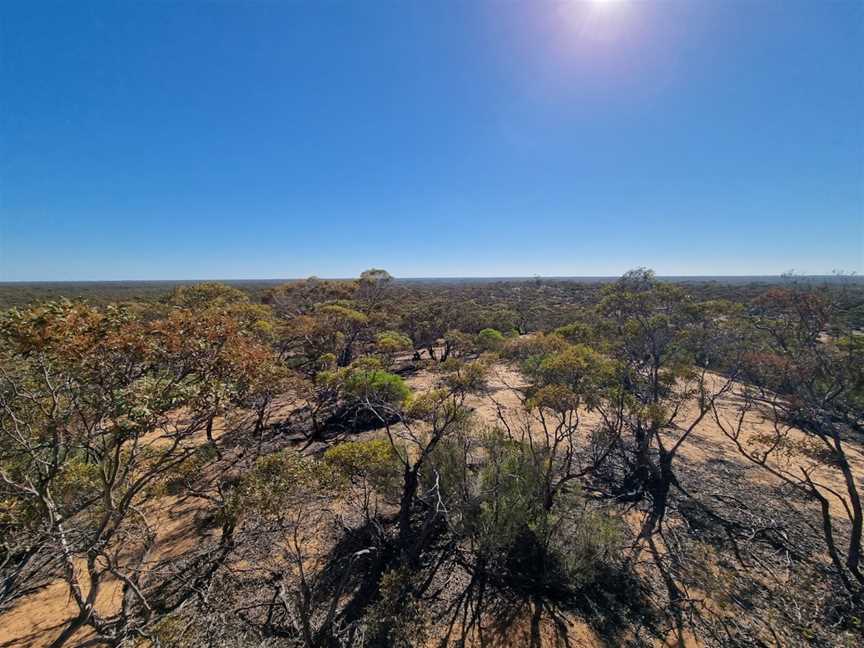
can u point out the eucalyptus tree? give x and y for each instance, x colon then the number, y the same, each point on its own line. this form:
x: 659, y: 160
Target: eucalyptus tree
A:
x: 97, y: 410
x: 206, y: 295
x: 805, y: 375
x: 668, y: 349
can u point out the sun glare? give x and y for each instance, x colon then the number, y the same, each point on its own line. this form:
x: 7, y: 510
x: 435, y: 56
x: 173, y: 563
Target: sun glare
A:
x: 606, y: 5
x: 593, y: 21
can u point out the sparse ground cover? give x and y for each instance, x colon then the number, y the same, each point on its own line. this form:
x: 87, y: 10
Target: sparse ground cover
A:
x: 387, y: 478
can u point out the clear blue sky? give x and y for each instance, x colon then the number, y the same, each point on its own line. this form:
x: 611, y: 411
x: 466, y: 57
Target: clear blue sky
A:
x: 154, y: 140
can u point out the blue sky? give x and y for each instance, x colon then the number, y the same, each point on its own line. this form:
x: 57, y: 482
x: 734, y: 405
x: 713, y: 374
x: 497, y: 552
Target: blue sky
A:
x: 156, y: 140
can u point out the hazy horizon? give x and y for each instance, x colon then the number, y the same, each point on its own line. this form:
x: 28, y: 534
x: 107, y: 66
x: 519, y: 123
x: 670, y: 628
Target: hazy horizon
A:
x: 838, y: 275
x: 831, y: 278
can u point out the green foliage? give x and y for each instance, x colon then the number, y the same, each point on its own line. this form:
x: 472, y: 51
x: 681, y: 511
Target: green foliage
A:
x: 206, y: 295
x: 276, y: 480
x: 534, y: 546
x: 392, y: 342
x: 423, y: 405
x: 557, y: 398
x: 12, y: 516
x: 344, y: 314
x: 573, y: 366
x: 397, y: 619
x: 302, y: 297
x: 435, y: 405
x: 498, y: 506
x: 490, y: 339
x: 374, y: 462
x: 530, y: 349
x: 172, y: 632
x: 448, y: 471
x: 77, y: 481
x: 510, y: 496
x: 576, y: 333
x: 588, y: 541
x: 369, y: 384
x: 458, y: 342
x: 465, y: 377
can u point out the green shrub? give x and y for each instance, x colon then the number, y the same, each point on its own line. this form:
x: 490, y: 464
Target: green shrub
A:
x: 390, y: 342
x: 575, y: 333
x: 365, y: 380
x: 76, y: 481
x: 397, y: 619
x: 535, y: 550
x: 490, y: 339
x: 376, y: 386
x: 269, y: 488
x: 465, y: 377
x: 374, y: 462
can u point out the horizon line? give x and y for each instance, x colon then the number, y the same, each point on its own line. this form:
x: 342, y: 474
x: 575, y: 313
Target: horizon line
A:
x: 838, y: 276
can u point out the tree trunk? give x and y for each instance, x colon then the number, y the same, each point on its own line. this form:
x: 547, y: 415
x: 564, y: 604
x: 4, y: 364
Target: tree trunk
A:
x: 448, y: 347
x: 406, y: 504
x: 76, y: 624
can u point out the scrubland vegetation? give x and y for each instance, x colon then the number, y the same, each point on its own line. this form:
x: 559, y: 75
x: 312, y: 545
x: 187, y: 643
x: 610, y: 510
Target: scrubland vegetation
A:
x: 371, y: 463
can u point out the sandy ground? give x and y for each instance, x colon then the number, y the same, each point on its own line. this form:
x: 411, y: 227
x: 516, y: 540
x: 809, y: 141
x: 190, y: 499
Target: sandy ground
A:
x: 38, y: 618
